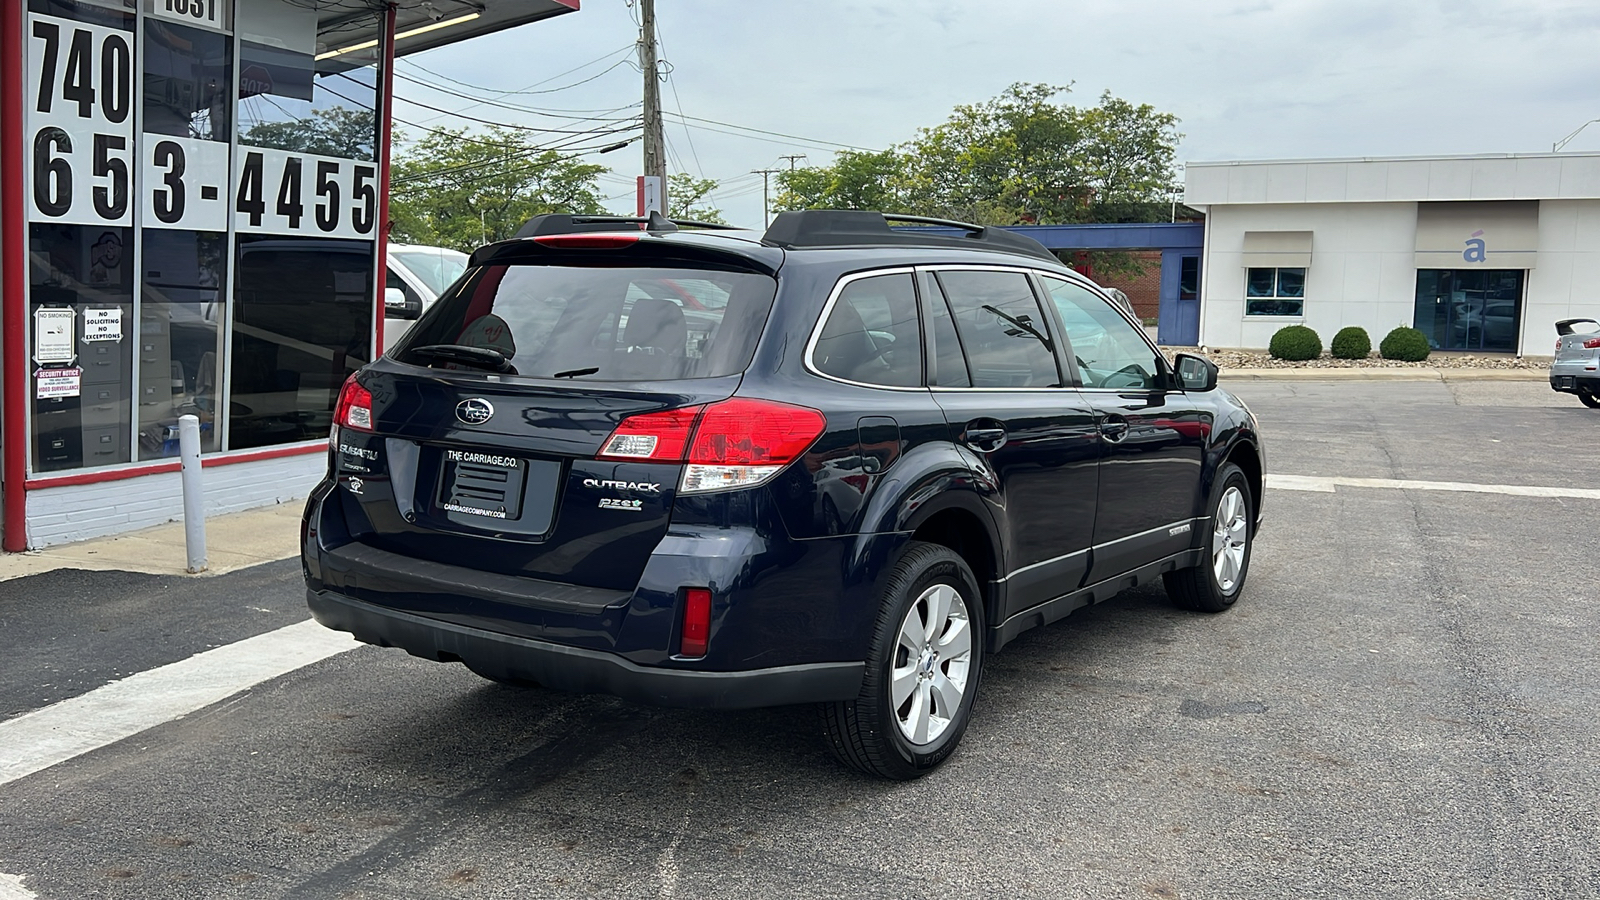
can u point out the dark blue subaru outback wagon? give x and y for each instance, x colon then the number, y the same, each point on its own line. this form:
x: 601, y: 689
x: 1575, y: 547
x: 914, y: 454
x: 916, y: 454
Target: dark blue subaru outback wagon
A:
x: 835, y: 463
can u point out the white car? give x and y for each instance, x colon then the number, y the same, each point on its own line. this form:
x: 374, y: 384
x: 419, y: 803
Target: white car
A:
x: 1576, y: 368
x: 416, y: 276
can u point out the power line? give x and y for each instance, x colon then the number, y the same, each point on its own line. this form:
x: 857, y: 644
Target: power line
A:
x: 511, y: 106
x: 450, y: 112
x: 526, y: 91
x: 791, y: 137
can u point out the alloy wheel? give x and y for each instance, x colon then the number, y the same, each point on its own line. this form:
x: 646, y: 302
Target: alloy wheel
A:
x: 932, y: 662
x: 1228, y: 538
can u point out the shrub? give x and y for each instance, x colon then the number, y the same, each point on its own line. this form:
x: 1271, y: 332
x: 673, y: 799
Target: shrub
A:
x: 1406, y: 344
x: 1351, y: 343
x: 1295, y: 342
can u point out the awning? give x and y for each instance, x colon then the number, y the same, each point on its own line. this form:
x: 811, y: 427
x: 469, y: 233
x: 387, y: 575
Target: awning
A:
x: 344, y: 29
x: 1498, y: 234
x: 1277, y: 249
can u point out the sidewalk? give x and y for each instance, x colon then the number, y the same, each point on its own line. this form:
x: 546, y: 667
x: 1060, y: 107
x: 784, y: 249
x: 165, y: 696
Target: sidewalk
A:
x: 233, y: 541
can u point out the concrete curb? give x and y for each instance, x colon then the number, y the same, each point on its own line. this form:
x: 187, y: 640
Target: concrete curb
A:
x: 1384, y: 374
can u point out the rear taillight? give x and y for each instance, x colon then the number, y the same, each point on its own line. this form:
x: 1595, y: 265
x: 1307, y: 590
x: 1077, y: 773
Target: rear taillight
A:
x: 655, y: 437
x: 354, y: 409
x: 736, y: 443
x: 1592, y: 344
x: 696, y: 622
x: 743, y: 442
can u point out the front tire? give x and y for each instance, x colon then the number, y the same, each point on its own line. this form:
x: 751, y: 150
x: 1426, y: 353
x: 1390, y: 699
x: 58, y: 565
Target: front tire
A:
x: 923, y: 669
x: 1214, y: 584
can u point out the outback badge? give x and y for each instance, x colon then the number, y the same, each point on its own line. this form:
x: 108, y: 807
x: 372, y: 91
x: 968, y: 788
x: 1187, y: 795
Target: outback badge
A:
x: 474, y: 411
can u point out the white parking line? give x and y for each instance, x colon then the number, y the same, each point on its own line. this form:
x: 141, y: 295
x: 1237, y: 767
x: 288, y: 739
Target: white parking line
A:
x: 1326, y: 485
x: 61, y: 731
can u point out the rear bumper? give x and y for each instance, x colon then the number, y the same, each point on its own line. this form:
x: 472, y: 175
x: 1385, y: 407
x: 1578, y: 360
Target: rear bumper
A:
x: 582, y: 670
x: 1579, y: 382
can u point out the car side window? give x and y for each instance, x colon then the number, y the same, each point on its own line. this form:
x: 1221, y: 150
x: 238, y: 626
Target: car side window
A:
x: 1110, y: 353
x: 872, y: 335
x: 1003, y: 331
x: 947, y: 367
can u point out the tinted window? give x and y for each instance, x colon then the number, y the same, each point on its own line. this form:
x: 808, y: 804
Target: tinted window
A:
x: 871, y: 335
x: 1109, y: 352
x: 949, y: 365
x: 1005, y: 335
x: 631, y: 324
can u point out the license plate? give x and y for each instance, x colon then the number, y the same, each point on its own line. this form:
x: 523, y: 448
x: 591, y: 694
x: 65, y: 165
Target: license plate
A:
x: 1565, y: 381
x: 479, y: 488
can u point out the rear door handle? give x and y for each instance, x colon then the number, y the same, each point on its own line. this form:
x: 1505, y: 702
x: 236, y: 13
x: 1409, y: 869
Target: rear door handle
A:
x: 984, y: 437
x: 1113, y: 428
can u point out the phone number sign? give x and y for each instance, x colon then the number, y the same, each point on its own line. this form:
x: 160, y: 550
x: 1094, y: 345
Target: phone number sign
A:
x: 80, y: 122
x: 87, y: 168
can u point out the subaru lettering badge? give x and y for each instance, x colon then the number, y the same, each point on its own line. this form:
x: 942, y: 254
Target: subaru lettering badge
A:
x: 475, y: 411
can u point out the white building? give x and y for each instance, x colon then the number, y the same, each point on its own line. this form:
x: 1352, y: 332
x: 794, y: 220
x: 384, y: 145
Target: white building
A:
x: 1482, y: 253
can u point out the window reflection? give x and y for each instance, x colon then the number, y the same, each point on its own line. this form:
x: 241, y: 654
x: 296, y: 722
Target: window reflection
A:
x: 180, y: 324
x: 302, y: 323
x: 188, y: 77
x: 289, y: 100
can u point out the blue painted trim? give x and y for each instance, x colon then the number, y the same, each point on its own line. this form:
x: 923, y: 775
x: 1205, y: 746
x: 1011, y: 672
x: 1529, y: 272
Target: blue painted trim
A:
x: 1153, y: 236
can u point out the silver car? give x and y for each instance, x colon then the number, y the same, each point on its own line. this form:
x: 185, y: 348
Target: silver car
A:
x: 1576, y: 369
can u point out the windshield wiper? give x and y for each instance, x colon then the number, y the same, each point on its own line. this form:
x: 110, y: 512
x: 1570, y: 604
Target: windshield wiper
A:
x: 574, y: 373
x: 477, y: 357
x: 1023, y: 326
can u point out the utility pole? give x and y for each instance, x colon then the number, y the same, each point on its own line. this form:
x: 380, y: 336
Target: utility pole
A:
x: 792, y: 158
x: 655, y: 154
x: 766, y: 218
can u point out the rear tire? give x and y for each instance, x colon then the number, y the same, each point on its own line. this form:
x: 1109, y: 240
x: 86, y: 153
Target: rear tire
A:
x: 1214, y: 584
x: 1590, y: 399
x: 923, y: 669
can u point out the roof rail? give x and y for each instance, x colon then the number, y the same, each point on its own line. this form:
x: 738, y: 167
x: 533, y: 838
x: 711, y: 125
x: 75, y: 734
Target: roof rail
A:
x: 865, y: 228
x: 563, y: 223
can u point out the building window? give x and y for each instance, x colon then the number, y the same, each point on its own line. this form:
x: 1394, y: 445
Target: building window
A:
x: 1275, y: 292
x: 1189, y: 278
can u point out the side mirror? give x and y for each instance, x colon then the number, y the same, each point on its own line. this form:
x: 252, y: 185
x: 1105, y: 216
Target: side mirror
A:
x: 396, y: 305
x: 1195, y: 373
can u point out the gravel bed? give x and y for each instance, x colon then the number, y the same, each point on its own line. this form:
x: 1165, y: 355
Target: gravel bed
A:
x: 1260, y: 359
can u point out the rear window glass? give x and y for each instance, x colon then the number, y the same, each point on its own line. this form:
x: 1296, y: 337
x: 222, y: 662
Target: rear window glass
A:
x: 629, y: 324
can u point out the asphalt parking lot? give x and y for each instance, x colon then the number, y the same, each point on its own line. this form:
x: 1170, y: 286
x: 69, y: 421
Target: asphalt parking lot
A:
x: 1403, y: 705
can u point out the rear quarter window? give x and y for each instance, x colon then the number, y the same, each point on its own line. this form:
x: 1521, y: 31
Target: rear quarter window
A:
x: 630, y: 324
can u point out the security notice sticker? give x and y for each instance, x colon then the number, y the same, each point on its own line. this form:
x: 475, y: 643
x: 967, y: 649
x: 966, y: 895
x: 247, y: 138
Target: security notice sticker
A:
x: 56, y: 383
x: 102, y: 324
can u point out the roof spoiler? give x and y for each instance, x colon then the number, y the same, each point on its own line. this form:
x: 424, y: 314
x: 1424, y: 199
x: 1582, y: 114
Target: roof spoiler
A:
x: 563, y: 223
x: 864, y: 228
x: 1565, y: 325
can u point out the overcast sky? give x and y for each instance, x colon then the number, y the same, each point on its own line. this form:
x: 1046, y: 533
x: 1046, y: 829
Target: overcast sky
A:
x: 1252, y: 79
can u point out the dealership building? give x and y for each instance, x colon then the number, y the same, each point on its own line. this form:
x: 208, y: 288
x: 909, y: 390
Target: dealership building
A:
x: 1483, y: 254
x: 192, y: 212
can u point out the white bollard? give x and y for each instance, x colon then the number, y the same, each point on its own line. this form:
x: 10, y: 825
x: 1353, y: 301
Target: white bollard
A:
x: 194, y: 498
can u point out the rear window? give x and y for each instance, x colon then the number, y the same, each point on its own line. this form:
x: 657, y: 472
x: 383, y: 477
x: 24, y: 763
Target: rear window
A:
x: 630, y: 324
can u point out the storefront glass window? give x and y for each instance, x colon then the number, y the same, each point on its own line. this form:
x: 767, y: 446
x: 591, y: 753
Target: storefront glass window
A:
x: 188, y: 81
x: 180, y: 327
x: 81, y: 280
x: 289, y: 100
x: 1470, y: 309
x: 302, y: 324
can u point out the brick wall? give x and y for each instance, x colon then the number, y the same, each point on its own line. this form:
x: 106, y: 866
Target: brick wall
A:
x: 1144, y: 290
x: 77, y: 512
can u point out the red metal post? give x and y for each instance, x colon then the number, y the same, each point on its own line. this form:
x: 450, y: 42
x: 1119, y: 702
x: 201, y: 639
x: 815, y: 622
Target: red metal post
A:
x: 13, y: 282
x: 385, y: 131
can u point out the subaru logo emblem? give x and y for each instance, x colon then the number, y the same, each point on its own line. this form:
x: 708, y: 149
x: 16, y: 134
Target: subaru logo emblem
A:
x: 475, y: 411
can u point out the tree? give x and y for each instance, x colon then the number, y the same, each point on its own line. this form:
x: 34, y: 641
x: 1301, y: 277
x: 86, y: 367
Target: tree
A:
x: 452, y: 189
x: 684, y: 196
x: 1021, y: 157
x: 342, y: 132
x: 856, y: 180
